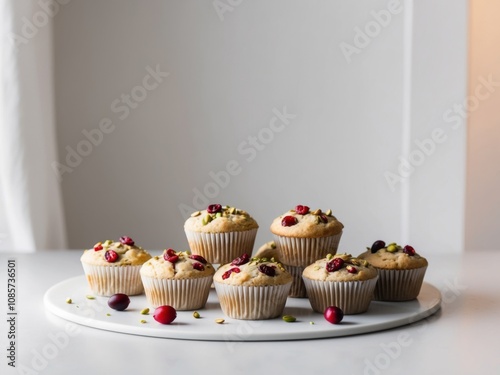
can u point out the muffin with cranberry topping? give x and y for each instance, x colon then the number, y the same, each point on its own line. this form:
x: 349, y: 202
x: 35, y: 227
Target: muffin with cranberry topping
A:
x: 220, y: 233
x: 252, y: 288
x: 113, y: 267
x: 340, y: 280
x: 178, y: 279
x: 401, y: 270
x: 302, y: 235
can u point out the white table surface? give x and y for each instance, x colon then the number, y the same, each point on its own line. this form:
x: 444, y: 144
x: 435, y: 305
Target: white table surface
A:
x: 462, y: 338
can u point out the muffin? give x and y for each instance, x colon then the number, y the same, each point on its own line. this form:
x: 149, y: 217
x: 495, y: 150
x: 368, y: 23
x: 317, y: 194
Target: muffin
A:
x: 179, y: 279
x: 220, y: 233
x: 340, y: 280
x: 401, y: 271
x: 252, y: 288
x: 113, y: 267
x: 303, y: 236
x: 268, y: 250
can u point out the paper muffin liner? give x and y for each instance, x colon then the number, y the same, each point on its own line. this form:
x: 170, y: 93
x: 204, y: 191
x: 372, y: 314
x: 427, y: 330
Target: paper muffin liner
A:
x: 181, y: 294
x: 296, y: 251
x: 221, y: 248
x: 252, y: 302
x: 399, y: 285
x: 353, y: 297
x: 112, y: 279
x: 298, y: 289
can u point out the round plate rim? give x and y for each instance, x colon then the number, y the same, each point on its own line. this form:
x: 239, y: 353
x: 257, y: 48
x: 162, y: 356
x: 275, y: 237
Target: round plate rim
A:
x: 309, y: 325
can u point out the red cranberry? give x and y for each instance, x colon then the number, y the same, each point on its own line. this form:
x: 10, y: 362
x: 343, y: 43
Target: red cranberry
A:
x: 352, y: 269
x: 119, y: 301
x: 302, y: 210
x: 377, y: 245
x: 126, y: 240
x: 228, y: 273
x: 288, y: 221
x: 323, y: 218
x: 214, y: 208
x: 334, y: 265
x: 111, y: 256
x: 199, y: 258
x: 267, y: 270
x: 244, y: 258
x: 409, y: 250
x: 98, y: 246
x: 171, y: 256
x: 198, y: 266
x: 333, y: 314
x: 165, y: 314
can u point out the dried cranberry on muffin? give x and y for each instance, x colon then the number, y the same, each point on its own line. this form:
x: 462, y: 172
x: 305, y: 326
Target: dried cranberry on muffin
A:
x: 113, y: 267
x: 220, y: 233
x: 178, y: 279
x: 252, y: 288
x: 401, y: 270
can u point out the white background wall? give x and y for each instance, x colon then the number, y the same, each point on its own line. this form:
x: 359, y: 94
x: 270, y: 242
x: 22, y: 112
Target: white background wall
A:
x: 355, y: 116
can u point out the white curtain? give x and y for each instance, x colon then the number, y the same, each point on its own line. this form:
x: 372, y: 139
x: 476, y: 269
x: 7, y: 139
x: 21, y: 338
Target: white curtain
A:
x: 31, y: 215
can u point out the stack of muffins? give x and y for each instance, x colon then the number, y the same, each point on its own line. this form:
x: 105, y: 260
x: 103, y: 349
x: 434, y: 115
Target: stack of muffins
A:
x: 303, y: 236
x: 301, y: 261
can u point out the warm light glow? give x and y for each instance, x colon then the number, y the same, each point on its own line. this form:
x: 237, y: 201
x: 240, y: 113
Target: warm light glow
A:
x: 483, y: 167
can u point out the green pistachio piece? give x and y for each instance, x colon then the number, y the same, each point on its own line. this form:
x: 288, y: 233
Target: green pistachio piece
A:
x: 219, y: 321
x: 328, y: 213
x: 145, y: 311
x: 196, y: 314
x: 392, y: 248
x: 69, y: 300
x: 316, y: 212
x: 89, y: 297
x: 289, y: 318
x: 197, y: 213
x: 273, y: 245
x: 218, y: 214
x: 231, y: 210
x: 207, y: 219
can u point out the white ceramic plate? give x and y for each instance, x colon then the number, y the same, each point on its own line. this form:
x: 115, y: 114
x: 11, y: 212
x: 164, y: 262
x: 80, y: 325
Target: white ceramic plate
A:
x: 309, y: 325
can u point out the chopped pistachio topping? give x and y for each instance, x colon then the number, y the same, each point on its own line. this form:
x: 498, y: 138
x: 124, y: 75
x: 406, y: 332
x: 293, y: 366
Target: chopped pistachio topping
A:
x: 69, y: 300
x: 197, y: 213
x: 89, y: 297
x: 196, y: 315
x: 143, y: 321
x: 207, y: 219
x: 219, y: 321
x: 145, y: 311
